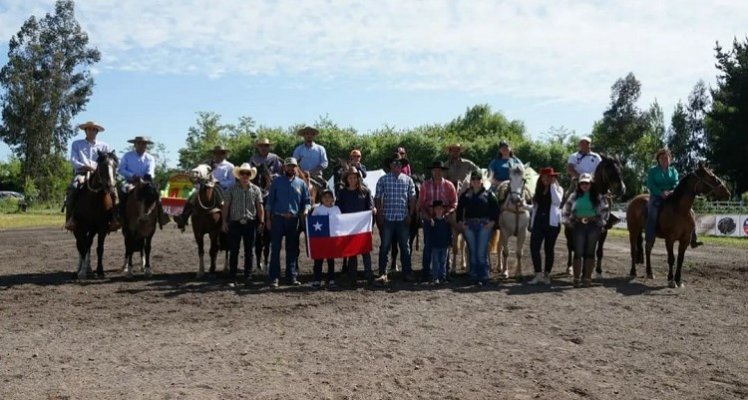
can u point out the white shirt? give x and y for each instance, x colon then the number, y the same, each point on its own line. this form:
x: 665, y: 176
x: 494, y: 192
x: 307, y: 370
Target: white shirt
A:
x: 585, y: 163
x: 133, y: 164
x: 83, y: 153
x: 224, y: 174
x: 324, y: 210
x: 555, y: 215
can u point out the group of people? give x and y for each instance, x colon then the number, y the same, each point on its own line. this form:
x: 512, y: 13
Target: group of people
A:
x: 454, y: 199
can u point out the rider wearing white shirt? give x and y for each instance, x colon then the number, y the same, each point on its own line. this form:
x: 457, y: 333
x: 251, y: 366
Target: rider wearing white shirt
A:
x: 584, y: 161
x: 138, y: 165
x: 223, y: 173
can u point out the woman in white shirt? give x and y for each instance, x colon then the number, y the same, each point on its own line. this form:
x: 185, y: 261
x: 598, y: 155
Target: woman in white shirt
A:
x: 545, y: 223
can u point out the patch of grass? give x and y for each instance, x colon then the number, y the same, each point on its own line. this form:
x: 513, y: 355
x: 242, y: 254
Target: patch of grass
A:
x: 33, y: 218
x: 736, y: 242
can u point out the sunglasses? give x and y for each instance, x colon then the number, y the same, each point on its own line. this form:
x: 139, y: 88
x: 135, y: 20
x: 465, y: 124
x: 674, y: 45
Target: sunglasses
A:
x: 245, y: 173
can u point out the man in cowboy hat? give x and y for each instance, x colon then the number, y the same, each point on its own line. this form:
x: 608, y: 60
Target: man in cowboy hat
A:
x: 458, y: 168
x: 395, y: 201
x: 584, y: 161
x: 138, y: 165
x: 264, y: 156
x: 288, y: 203
x: 83, y: 155
x: 435, y: 189
x: 242, y: 214
x: 312, y: 157
x: 222, y: 172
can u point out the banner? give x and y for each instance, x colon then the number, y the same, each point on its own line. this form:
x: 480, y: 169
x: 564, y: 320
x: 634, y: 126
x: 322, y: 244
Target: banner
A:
x: 340, y: 235
x: 727, y: 225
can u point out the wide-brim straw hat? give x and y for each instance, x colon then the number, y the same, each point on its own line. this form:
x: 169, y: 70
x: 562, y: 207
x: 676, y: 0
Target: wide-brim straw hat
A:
x: 263, y: 141
x: 454, y: 146
x: 585, y: 139
x: 220, y: 149
x: 307, y: 129
x: 142, y: 139
x: 245, y: 167
x: 91, y: 124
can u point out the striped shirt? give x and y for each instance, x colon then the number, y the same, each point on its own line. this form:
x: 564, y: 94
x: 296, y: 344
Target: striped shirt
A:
x: 242, y: 202
x: 395, y: 192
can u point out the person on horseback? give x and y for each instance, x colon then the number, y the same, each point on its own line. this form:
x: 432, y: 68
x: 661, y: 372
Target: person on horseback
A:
x: 83, y: 154
x: 661, y: 181
x: 458, y: 168
x: 436, y: 188
x: 137, y: 165
x: 584, y: 161
x: 500, y: 166
x: 588, y: 212
x: 222, y: 172
x: 264, y: 156
x: 311, y: 156
x: 354, y: 160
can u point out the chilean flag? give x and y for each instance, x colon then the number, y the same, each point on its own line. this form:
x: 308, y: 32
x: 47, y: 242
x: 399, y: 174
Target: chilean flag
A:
x: 338, y: 236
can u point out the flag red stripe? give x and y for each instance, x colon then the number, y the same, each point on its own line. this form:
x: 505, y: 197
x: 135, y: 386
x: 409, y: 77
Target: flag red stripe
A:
x: 339, y: 247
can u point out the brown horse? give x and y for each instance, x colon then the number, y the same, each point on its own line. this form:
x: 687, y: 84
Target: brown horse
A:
x: 675, y: 221
x: 206, y: 219
x: 140, y: 220
x: 93, y: 213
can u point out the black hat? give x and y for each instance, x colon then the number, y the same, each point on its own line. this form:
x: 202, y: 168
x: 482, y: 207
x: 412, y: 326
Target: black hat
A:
x: 503, y: 143
x: 402, y: 161
x: 476, y: 175
x: 438, y: 164
x: 437, y: 203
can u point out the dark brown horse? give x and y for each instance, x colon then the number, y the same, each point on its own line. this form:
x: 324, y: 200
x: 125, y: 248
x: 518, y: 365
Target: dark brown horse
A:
x: 140, y: 220
x: 206, y: 219
x: 608, y: 178
x: 93, y: 213
x: 675, y: 222
x: 263, y: 179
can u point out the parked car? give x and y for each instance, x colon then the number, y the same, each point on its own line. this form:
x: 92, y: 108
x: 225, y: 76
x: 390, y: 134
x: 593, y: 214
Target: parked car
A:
x: 14, y: 196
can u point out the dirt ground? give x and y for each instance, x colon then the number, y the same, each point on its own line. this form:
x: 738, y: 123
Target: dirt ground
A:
x: 174, y: 337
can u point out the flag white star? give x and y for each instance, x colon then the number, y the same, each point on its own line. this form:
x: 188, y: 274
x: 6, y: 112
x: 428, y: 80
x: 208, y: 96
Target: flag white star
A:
x: 317, y: 226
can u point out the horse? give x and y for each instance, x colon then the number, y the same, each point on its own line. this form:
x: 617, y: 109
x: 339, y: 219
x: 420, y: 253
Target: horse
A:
x: 140, y: 220
x: 206, y: 219
x: 263, y: 180
x: 607, y: 176
x: 514, y: 217
x: 675, y: 221
x: 93, y: 212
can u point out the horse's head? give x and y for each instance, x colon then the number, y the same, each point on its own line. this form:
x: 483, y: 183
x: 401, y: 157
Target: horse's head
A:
x: 146, y: 192
x: 202, y: 175
x: 106, y: 169
x: 710, y: 184
x: 262, y: 179
x: 517, y: 183
x: 608, y: 175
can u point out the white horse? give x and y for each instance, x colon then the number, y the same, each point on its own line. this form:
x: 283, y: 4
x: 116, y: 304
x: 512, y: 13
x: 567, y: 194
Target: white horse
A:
x: 514, y: 217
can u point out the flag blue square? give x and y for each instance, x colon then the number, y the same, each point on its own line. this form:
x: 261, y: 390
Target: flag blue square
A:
x: 318, y: 226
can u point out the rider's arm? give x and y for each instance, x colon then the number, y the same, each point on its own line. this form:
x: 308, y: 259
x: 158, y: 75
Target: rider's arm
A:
x: 151, y: 166
x: 123, y: 168
x: 557, y: 194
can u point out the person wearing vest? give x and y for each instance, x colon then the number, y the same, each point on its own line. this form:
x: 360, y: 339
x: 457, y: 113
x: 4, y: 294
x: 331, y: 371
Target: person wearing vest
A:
x: 545, y: 223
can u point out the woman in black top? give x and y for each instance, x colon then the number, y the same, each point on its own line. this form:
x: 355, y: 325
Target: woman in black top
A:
x: 355, y: 197
x: 545, y: 223
x: 477, y: 214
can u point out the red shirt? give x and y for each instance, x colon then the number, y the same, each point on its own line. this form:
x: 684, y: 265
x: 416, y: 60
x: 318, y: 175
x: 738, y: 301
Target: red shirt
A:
x: 430, y: 191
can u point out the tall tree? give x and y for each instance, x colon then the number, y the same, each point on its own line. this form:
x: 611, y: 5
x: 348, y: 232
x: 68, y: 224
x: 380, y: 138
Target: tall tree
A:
x: 679, y: 137
x: 687, y: 138
x: 47, y: 82
x: 727, y: 122
x: 207, y: 132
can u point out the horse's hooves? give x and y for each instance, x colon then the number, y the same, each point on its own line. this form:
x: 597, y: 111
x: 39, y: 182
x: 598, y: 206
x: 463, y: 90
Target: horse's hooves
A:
x: 99, y: 275
x: 672, y: 284
x: 650, y: 276
x: 148, y: 273
x: 680, y: 285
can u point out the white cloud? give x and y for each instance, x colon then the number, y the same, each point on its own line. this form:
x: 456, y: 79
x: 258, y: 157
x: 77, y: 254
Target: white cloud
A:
x: 569, y: 51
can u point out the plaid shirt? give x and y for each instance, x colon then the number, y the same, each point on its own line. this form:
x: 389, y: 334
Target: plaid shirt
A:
x: 395, y: 192
x: 243, y: 203
x: 430, y: 191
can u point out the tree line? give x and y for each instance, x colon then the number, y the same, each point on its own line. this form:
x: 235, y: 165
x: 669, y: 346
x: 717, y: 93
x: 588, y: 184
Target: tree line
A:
x: 47, y: 82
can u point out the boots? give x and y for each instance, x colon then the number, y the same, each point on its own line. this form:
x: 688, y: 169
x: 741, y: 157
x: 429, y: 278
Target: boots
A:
x: 577, y: 269
x: 163, y: 218
x: 538, y: 279
x: 182, y: 218
x: 589, y: 266
x: 115, y: 223
x: 695, y: 240
x: 70, y: 198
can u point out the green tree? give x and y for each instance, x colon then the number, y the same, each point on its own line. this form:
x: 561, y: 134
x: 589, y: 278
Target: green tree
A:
x: 727, y: 122
x: 47, y: 82
x: 687, y: 137
x: 207, y: 133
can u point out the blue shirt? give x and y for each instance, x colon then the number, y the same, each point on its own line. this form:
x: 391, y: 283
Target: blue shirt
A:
x: 82, y: 153
x: 312, y: 159
x: 287, y: 196
x: 499, y: 167
x: 396, y: 192
x: 224, y: 174
x: 134, y: 164
x: 440, y: 235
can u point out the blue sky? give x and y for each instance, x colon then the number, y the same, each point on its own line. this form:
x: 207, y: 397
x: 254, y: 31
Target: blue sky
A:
x: 367, y: 64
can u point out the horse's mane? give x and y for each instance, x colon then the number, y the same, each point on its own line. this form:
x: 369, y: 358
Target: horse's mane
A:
x: 681, y: 189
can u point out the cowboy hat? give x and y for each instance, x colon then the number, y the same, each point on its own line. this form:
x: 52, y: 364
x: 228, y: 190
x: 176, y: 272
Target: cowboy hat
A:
x: 91, y: 124
x: 245, y: 167
x: 137, y: 139
x: 503, y: 143
x: 307, y: 129
x: 438, y: 164
x: 220, y: 149
x: 585, y: 139
x: 290, y: 161
x: 453, y: 146
x: 548, y: 171
x: 585, y: 178
x: 263, y: 141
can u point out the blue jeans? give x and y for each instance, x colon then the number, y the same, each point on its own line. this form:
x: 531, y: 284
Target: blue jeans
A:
x: 237, y: 232
x: 399, y: 231
x: 585, y: 240
x: 477, y: 237
x: 653, y: 211
x: 288, y: 227
x: 439, y: 262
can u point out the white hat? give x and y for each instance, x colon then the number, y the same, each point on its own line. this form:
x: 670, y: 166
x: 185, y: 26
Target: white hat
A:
x: 585, y: 139
x: 245, y: 167
x: 585, y: 178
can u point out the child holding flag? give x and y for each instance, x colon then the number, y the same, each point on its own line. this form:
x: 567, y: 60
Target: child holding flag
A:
x: 327, y: 207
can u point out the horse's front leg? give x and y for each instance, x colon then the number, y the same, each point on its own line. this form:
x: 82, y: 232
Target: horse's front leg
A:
x: 648, y: 260
x: 504, y: 255
x: 200, y: 240
x: 519, y: 251
x: 213, y: 253
x: 83, y: 244
x: 682, y: 246
x: 147, y: 260
x: 670, y: 262
x: 101, y: 237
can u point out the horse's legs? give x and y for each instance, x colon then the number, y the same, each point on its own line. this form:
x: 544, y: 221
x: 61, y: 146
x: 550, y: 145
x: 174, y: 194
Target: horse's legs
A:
x: 633, y: 244
x: 599, y: 254
x: 100, y: 254
x: 519, y: 250
x: 670, y: 262
x: 504, y: 256
x: 147, y: 249
x: 199, y: 239
x: 82, y: 243
x: 213, y: 252
x: 682, y: 246
x: 648, y: 259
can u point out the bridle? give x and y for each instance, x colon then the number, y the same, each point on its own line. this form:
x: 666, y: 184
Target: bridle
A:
x: 214, y: 202
x: 98, y: 175
x: 703, y: 182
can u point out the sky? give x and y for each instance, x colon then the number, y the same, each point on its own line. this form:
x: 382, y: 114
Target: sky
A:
x: 367, y: 64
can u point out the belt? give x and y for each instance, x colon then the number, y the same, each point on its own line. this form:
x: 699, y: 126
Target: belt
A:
x: 476, y: 219
x: 587, y: 220
x: 286, y: 215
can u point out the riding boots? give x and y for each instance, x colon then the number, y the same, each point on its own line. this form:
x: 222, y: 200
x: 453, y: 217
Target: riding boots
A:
x: 184, y: 217
x: 589, y: 266
x: 70, y: 198
x: 577, y: 268
x: 695, y: 240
